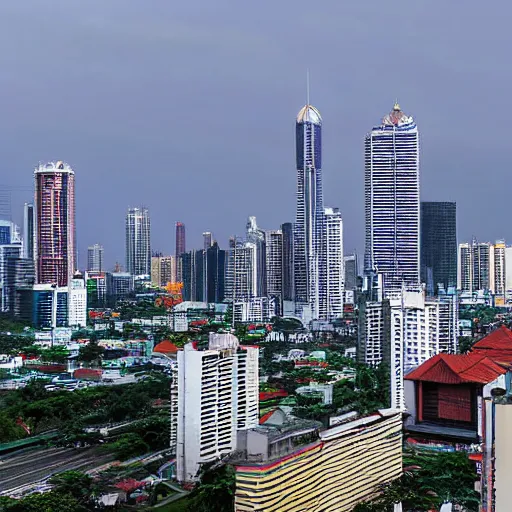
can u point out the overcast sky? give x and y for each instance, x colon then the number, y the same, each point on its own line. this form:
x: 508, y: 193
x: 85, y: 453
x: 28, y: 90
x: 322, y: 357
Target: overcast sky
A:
x: 189, y: 107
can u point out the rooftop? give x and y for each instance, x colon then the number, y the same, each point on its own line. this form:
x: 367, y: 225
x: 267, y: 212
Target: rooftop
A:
x: 309, y: 114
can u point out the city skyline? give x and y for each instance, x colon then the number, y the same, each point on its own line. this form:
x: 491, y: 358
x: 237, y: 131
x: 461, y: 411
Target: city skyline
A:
x: 126, y: 124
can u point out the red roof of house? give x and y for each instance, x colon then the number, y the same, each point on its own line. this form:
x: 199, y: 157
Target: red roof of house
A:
x: 166, y: 347
x: 482, y: 365
x: 458, y: 369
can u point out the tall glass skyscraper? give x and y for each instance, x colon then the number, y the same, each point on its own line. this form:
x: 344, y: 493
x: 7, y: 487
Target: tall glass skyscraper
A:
x: 438, y: 245
x: 310, y: 210
x: 392, y: 201
x: 138, y: 242
x: 54, y: 205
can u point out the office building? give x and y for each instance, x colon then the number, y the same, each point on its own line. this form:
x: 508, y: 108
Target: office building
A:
x: 217, y: 397
x: 207, y: 240
x: 95, y: 258
x: 255, y: 309
x: 245, y: 270
x: 120, y: 285
x: 392, y: 201
x: 293, y: 467
x: 55, y: 236
x: 49, y: 306
x: 256, y: 237
x: 77, y: 302
x: 448, y: 320
x: 498, y: 272
x: 163, y: 270
x: 438, y: 245
x: 28, y: 231
x: 193, y: 275
x: 138, y: 242
x: 351, y: 271
x: 215, y: 273
x: 288, y: 283
x: 18, y: 283
x: 229, y: 274
x: 482, y: 266
x: 97, y: 289
x: 274, y: 263
x: 308, y: 241
x: 180, y: 239
x: 11, y: 247
x: 332, y: 274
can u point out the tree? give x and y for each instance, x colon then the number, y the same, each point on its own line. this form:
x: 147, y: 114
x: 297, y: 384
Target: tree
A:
x: 128, y: 446
x: 215, y: 491
x: 47, y: 502
x: 56, y: 354
x: 91, y: 353
x: 76, y: 483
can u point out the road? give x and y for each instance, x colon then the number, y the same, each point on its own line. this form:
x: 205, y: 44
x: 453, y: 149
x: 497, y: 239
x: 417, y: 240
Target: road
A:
x: 19, y: 471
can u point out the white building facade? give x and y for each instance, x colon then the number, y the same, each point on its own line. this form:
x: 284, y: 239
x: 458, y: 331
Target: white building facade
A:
x: 333, y: 272
x: 77, y: 302
x: 392, y: 201
x: 217, y: 396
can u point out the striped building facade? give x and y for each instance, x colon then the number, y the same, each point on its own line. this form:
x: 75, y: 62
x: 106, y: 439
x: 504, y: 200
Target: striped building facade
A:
x: 345, y: 465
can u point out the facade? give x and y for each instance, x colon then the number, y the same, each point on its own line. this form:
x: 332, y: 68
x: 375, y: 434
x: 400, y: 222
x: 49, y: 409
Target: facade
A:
x: 19, y: 280
x: 95, y: 258
x: 215, y: 273
x: 328, y: 471
x: 11, y: 247
x: 120, y: 284
x: 309, y: 221
x: 207, y: 240
x: 138, y: 242
x: 217, y: 396
x: 438, y: 245
x: 245, y: 270
x: 28, y: 231
x: 392, y: 201
x: 181, y: 246
x: 163, y: 270
x: 256, y: 237
x: 332, y: 273
x: 77, y: 302
x: 482, y: 266
x: 374, y: 332
x: 498, y: 271
x: 97, y: 288
x: 274, y: 263
x: 288, y: 281
x: 49, y: 306
x: 448, y: 320
x: 193, y: 275
x: 351, y: 271
x: 54, y: 216
x: 255, y: 309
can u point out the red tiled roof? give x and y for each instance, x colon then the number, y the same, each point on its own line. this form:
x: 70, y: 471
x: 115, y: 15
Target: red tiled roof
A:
x: 166, y: 347
x: 457, y: 369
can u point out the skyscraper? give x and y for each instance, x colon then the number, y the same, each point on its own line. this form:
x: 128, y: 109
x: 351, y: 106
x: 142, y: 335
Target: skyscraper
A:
x: 331, y: 301
x: 310, y: 209
x: 256, y: 236
x: 392, y: 201
x: 351, y: 271
x: 95, y: 258
x: 28, y: 231
x: 274, y: 263
x: 11, y: 248
x: 438, y: 245
x: 180, y: 239
x: 215, y: 273
x: 55, y: 246
x: 288, y: 285
x: 138, y: 242
x: 207, y: 240
x: 498, y: 269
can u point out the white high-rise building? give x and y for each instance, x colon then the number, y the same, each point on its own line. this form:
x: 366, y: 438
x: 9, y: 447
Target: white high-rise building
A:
x: 498, y: 268
x: 392, y: 201
x: 95, y: 258
x: 217, y: 396
x: 332, y: 277
x: 77, y: 302
x: 274, y: 262
x: 138, y: 242
x: 245, y: 270
x: 464, y: 268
